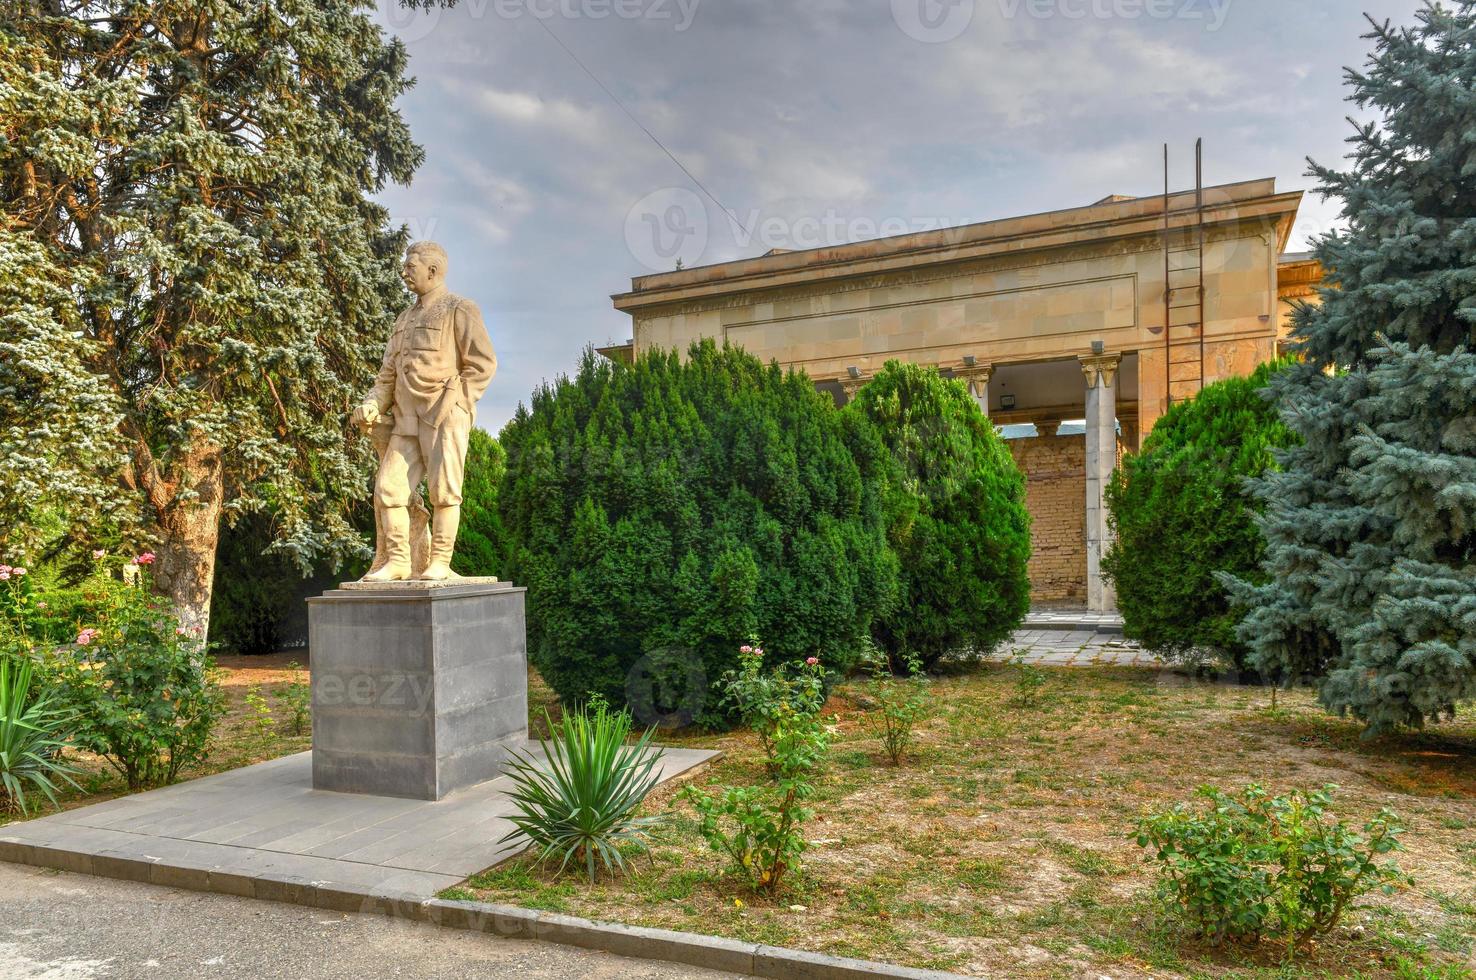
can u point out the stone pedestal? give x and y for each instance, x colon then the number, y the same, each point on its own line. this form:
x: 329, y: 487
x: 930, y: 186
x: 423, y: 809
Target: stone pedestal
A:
x: 419, y: 688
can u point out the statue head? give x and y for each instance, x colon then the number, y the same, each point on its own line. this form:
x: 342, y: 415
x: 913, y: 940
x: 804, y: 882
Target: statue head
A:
x: 424, y: 268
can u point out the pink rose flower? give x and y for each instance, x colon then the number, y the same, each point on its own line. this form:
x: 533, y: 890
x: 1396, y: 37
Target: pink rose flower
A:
x: 745, y: 649
x: 813, y: 661
x: 86, y: 636
x: 4, y: 574
x: 17, y: 571
x: 147, y: 558
x: 99, y: 554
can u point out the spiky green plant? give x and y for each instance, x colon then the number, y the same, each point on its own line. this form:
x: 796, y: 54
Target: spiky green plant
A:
x: 579, y: 804
x: 30, y: 749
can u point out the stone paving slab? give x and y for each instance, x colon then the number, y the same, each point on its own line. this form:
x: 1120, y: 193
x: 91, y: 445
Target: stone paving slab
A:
x: 1072, y: 647
x: 261, y: 829
x: 1074, y: 619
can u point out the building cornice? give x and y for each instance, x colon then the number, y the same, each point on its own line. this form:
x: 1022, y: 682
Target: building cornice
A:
x: 1251, y: 205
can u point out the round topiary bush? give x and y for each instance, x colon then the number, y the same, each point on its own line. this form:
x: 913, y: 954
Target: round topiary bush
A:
x: 663, y: 513
x: 961, y: 530
x: 1180, y: 514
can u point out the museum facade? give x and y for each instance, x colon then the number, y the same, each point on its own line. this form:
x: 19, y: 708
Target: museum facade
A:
x: 1074, y: 329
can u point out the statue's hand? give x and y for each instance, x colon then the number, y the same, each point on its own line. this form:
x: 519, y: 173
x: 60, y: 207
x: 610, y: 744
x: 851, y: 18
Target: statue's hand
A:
x: 366, y: 414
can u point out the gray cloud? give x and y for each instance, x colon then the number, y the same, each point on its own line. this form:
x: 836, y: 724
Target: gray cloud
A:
x: 827, y: 118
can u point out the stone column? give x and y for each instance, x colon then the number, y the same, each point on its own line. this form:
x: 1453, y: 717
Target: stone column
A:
x: 1101, y: 460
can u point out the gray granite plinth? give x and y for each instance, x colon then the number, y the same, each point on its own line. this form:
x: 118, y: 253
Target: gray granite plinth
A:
x: 419, y: 688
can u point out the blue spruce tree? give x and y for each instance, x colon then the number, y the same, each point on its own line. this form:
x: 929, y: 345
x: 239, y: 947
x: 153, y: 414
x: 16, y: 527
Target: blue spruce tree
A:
x: 1370, y: 523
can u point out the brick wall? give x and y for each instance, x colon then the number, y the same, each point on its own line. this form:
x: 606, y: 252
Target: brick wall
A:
x: 1055, y: 494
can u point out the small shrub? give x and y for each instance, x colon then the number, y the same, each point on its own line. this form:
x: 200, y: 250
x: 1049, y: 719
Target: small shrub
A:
x: 579, y: 805
x: 1256, y: 865
x: 901, y: 704
x: 297, y: 697
x: 142, y: 691
x: 758, y: 828
x: 30, y: 740
x: 260, y: 712
x: 1029, y: 679
x: 768, y: 700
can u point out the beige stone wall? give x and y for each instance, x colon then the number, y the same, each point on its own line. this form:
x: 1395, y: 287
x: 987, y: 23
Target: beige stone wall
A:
x: 1006, y: 309
x: 1055, y: 486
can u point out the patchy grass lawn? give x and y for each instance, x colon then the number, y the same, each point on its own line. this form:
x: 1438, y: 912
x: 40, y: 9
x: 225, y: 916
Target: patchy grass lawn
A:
x: 239, y: 740
x: 1002, y: 847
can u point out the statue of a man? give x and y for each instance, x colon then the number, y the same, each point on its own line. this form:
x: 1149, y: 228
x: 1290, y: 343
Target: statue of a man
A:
x: 437, y: 363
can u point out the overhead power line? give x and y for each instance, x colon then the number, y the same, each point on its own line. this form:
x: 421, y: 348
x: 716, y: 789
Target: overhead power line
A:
x: 732, y: 215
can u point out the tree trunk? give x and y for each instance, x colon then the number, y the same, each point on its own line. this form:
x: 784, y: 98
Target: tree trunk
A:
x: 188, y: 530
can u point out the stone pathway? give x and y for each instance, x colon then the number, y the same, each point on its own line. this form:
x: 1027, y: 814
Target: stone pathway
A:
x: 264, y: 832
x: 1074, y: 648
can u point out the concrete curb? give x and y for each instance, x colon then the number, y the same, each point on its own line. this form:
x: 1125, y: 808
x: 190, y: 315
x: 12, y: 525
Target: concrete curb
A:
x: 505, y: 921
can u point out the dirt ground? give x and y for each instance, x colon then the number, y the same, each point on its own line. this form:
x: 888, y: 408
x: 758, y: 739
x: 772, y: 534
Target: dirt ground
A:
x: 1003, y: 846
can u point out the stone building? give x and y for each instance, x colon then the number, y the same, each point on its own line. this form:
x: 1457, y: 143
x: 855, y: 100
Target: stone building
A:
x: 1073, y: 328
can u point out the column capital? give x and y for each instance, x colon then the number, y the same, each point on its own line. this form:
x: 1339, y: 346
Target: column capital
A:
x: 1100, y: 369
x: 849, y: 386
x: 978, y: 372
x: 975, y: 378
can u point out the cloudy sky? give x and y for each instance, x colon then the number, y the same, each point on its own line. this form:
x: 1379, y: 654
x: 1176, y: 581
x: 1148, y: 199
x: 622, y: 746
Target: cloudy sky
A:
x: 821, y: 121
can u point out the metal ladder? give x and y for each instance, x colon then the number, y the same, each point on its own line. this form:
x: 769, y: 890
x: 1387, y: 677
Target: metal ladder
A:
x: 1183, y: 296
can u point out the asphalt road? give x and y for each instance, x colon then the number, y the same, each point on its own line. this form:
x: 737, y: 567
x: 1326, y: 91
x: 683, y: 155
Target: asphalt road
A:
x: 61, y: 926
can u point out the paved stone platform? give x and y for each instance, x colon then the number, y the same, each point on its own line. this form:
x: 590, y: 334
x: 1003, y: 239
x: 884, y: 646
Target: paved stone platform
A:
x: 1074, y: 648
x: 263, y: 831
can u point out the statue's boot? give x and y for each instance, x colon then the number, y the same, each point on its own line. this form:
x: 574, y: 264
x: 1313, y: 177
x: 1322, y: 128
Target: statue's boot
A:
x: 444, y: 522
x: 395, y: 526
x: 381, y: 553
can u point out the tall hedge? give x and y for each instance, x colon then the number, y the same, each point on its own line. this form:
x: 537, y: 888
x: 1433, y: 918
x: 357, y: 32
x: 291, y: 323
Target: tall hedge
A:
x: 961, y: 531
x: 661, y: 513
x: 480, y: 539
x: 1181, y: 512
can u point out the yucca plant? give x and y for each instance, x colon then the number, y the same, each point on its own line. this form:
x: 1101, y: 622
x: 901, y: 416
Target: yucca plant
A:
x: 30, y: 749
x: 578, y: 805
